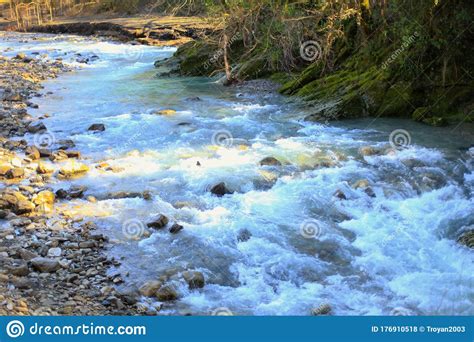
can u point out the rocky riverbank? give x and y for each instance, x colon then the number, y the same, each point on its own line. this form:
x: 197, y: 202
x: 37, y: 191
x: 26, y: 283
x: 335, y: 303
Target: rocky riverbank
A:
x: 53, y: 262
x: 157, y: 31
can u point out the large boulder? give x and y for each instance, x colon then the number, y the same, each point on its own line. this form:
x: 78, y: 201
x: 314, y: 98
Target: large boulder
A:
x: 150, y: 288
x: 16, y: 201
x: 166, y: 293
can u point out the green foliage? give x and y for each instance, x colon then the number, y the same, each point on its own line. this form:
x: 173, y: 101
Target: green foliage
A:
x: 375, y: 57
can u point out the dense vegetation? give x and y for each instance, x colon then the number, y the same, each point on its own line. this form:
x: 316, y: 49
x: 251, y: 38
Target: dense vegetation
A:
x: 364, y: 57
x: 377, y: 57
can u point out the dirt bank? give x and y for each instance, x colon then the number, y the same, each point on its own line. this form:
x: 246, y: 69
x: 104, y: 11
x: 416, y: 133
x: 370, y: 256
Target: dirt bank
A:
x: 158, y: 31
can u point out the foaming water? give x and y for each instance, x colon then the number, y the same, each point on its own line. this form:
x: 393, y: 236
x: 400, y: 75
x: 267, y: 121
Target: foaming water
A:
x: 382, y: 251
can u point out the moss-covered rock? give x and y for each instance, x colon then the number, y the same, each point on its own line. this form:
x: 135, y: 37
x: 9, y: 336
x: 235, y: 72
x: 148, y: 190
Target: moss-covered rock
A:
x: 425, y: 115
x: 436, y: 121
x: 397, y: 100
x: 309, y: 74
x: 252, y: 69
x: 420, y: 114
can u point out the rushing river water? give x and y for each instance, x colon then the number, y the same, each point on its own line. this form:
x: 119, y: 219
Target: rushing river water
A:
x: 282, y: 243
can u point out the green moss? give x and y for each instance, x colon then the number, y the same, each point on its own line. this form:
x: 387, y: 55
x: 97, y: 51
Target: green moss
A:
x: 420, y: 114
x: 280, y: 77
x: 436, y: 121
x: 196, y: 59
x: 461, y: 117
x: 309, y: 74
x: 252, y: 69
x: 397, y: 100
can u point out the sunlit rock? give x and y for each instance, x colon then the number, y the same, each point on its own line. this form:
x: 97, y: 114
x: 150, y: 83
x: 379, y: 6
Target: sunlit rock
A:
x: 73, y: 168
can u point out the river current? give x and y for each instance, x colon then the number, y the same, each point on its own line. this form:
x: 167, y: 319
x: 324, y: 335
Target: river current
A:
x: 285, y: 241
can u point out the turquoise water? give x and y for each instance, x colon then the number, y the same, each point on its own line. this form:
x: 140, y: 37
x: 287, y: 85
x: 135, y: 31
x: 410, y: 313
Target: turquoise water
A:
x: 385, y: 252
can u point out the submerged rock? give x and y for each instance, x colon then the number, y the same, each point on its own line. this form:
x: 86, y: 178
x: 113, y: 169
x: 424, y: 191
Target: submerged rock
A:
x: 244, y: 235
x: 270, y: 161
x: 146, y: 195
x: 194, y: 279
x: 367, y: 151
x: 76, y: 191
x: 340, y: 194
x: 220, y: 190
x: 97, y: 127
x: 65, y: 144
x: 467, y: 239
x: 159, y: 223
x: 364, y: 185
x: 176, y: 228
x: 166, y: 112
x: 321, y: 310
x: 361, y: 184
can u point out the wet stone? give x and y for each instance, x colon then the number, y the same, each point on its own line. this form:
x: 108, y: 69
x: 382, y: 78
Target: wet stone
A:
x: 159, y: 223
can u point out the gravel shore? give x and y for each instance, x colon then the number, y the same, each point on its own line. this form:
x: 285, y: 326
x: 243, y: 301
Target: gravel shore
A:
x: 53, y: 262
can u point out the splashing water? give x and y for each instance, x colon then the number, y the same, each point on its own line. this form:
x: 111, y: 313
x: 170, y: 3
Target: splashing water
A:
x: 283, y: 242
